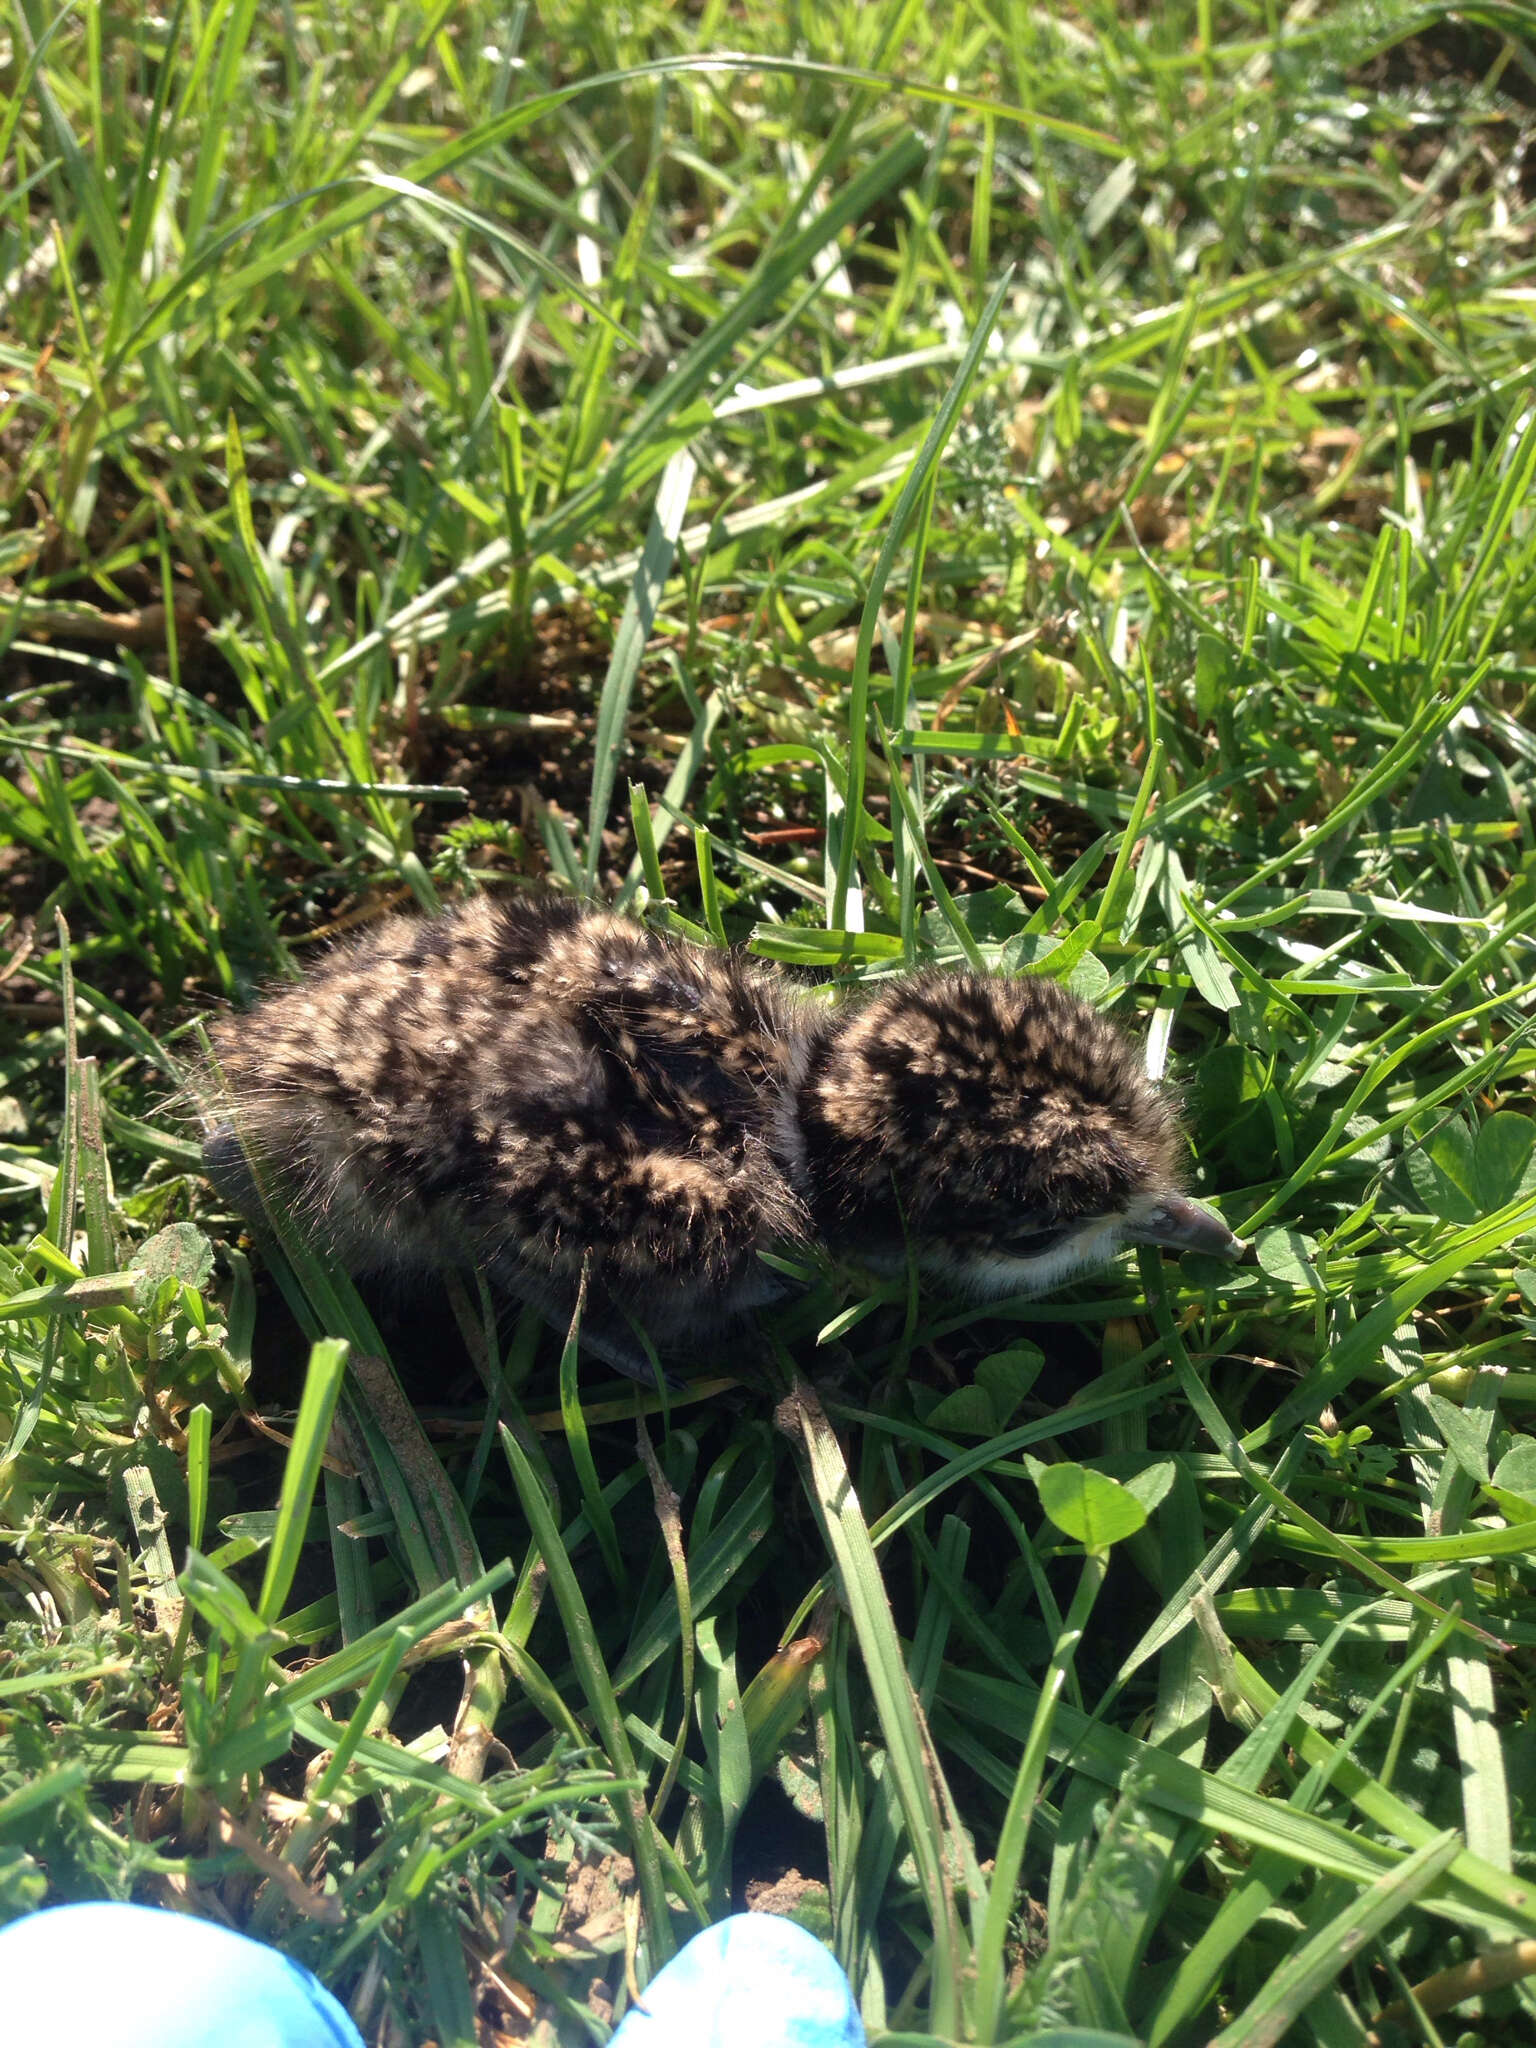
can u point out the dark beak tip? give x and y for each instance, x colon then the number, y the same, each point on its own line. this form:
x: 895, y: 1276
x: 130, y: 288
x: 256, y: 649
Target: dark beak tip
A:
x: 1182, y: 1225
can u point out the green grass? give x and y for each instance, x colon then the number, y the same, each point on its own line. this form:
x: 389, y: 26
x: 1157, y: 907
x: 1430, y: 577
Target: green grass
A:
x: 884, y: 485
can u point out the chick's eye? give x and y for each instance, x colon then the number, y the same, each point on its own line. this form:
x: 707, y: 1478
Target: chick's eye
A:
x: 1031, y: 1241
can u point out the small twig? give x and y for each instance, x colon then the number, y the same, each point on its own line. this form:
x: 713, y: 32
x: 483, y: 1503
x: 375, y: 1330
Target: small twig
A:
x: 1490, y: 1971
x: 974, y: 674
x: 349, y: 920
x: 330, y: 1460
x: 631, y: 1944
x: 669, y: 1514
x: 975, y: 874
x: 313, y: 1905
x: 33, y: 1013
x: 787, y: 835
x: 19, y: 958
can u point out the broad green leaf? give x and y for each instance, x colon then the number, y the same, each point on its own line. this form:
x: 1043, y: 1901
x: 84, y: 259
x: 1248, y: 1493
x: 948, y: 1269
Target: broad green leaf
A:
x: 1008, y: 1376
x: 1504, y: 1159
x: 1514, y: 1478
x: 1465, y: 1431
x: 1088, y: 1506
x: 1286, y: 1255
x: 965, y: 1412
x: 991, y: 915
x: 1441, y: 1167
x: 1517, y: 1468
x: 968, y: 1411
x: 1208, y: 971
x: 1058, y: 955
x: 180, y: 1252
x: 1089, y: 978
x: 1152, y: 1484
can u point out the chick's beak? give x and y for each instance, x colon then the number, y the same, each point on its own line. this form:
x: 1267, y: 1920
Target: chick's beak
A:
x: 1183, y: 1226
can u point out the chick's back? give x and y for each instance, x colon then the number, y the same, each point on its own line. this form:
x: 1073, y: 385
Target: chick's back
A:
x: 524, y: 1085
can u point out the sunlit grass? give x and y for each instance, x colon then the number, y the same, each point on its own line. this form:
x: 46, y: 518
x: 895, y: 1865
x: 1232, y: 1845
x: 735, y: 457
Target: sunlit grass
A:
x: 884, y: 487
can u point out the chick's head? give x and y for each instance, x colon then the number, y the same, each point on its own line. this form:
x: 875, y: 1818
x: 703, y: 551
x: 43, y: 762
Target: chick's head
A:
x: 1003, y: 1128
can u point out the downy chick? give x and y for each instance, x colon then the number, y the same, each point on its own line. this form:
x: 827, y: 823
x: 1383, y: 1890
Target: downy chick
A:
x: 528, y: 1087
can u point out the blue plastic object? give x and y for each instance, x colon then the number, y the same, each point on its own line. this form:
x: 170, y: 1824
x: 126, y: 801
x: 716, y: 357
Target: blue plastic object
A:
x: 108, y: 1976
x: 753, y: 1981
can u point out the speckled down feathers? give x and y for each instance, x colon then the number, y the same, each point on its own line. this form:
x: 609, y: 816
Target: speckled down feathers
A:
x: 519, y: 1087
x: 531, y: 1086
x: 977, y: 1107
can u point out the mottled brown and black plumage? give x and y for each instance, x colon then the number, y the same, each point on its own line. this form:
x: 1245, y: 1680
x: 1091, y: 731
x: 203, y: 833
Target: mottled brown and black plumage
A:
x: 533, y: 1087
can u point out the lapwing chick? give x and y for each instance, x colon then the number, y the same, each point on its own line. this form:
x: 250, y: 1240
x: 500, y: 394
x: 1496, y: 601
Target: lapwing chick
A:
x: 536, y: 1089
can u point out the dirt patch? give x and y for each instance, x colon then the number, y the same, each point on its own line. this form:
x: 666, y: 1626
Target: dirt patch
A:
x: 523, y: 735
x: 592, y: 1911
x: 1452, y: 51
x: 1434, y: 70
x: 527, y: 721
x: 785, y: 1895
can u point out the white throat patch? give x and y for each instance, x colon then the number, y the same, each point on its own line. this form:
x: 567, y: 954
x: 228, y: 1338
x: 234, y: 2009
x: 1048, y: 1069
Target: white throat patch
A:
x: 987, y: 1275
